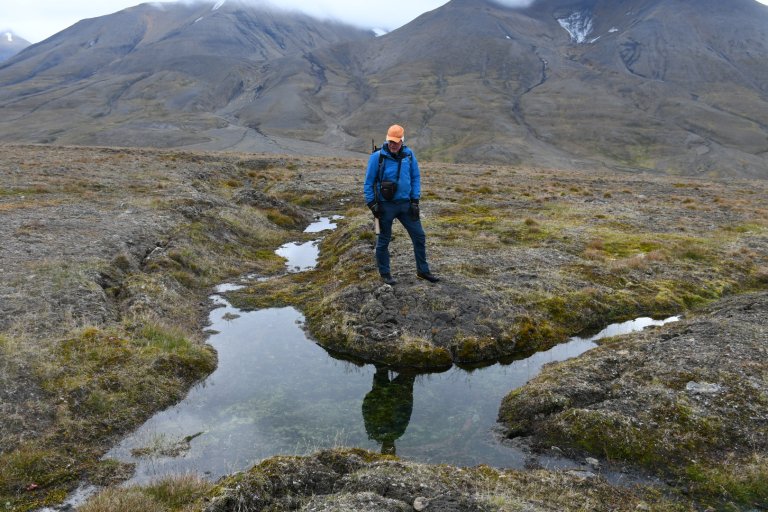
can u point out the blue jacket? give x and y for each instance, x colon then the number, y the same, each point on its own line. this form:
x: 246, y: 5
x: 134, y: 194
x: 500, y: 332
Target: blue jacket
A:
x: 409, y: 186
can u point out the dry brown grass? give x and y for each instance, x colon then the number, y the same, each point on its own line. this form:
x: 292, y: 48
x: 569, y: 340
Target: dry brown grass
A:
x: 123, y: 500
x: 173, y: 494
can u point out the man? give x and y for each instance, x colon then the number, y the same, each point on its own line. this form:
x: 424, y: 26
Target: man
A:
x: 392, y: 190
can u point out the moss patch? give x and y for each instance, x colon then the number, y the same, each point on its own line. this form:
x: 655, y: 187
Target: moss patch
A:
x: 103, y: 382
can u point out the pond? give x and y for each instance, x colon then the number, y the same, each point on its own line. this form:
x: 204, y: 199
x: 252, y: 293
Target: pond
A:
x: 275, y: 391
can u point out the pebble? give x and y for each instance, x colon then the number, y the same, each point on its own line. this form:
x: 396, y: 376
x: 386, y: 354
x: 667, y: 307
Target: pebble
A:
x: 703, y: 387
x: 581, y: 474
x: 420, y: 503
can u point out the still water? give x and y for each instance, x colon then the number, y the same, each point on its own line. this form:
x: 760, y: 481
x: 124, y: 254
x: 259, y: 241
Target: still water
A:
x: 277, y: 392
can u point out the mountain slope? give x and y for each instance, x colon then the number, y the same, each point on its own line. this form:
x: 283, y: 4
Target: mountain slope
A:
x: 684, y: 78
x: 672, y: 85
x: 153, y: 74
x: 677, y: 86
x: 10, y: 44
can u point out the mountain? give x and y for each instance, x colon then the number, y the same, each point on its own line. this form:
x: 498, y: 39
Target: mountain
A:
x: 157, y: 74
x: 674, y: 86
x: 677, y: 86
x: 10, y: 44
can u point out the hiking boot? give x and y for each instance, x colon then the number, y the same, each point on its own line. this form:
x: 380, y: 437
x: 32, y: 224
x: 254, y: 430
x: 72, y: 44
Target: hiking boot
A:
x: 388, y: 279
x: 428, y: 276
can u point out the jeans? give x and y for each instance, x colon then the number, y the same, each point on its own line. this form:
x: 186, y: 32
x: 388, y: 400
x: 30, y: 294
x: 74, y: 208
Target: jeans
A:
x: 400, y: 210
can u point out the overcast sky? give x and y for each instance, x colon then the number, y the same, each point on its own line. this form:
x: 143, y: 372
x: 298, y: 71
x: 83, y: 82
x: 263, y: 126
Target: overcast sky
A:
x: 35, y: 20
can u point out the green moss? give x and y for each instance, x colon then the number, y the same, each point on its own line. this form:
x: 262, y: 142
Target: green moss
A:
x: 420, y: 355
x: 471, y: 216
x: 534, y: 334
x: 281, y: 219
x: 522, y: 405
x: 24, y: 191
x: 590, y: 308
x: 749, y: 227
x: 610, y: 436
x: 165, y: 339
x: 622, y: 245
x: 475, y: 349
x: 738, y: 482
x: 29, y: 467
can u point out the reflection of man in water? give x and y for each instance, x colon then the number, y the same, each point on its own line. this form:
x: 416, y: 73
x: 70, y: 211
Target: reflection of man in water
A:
x: 387, y: 408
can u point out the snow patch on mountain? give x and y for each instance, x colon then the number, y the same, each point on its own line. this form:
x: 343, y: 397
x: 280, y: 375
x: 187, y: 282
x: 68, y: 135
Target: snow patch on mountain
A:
x: 218, y: 4
x: 9, y: 36
x: 578, y: 25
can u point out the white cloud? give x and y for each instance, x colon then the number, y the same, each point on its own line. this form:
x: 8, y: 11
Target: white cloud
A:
x: 36, y: 20
x: 518, y: 3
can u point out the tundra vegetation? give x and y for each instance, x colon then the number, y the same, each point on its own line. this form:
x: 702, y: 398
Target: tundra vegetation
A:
x: 108, y: 257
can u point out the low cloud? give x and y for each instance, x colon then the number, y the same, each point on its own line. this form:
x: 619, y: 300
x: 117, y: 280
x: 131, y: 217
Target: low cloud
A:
x: 514, y: 3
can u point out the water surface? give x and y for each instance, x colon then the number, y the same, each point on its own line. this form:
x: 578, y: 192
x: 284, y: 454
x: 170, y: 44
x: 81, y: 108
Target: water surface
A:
x: 303, y: 256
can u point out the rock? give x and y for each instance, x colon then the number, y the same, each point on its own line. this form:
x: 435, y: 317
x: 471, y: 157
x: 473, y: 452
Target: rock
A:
x: 586, y: 475
x: 592, y: 462
x: 703, y: 388
x: 420, y: 503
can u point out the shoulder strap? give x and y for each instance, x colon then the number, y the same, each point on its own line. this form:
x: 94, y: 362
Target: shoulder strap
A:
x: 380, y: 173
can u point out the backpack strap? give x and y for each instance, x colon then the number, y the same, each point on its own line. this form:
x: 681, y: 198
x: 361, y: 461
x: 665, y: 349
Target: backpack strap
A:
x: 378, y: 176
x: 380, y: 173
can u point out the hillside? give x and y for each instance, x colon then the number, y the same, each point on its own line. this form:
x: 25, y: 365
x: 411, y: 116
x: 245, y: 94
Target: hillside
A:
x: 151, y: 75
x: 672, y: 86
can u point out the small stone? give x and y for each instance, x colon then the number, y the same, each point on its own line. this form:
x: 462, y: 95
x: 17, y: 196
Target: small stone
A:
x: 556, y: 450
x: 581, y: 474
x: 420, y: 503
x: 594, y: 463
x: 642, y: 507
x: 703, y: 388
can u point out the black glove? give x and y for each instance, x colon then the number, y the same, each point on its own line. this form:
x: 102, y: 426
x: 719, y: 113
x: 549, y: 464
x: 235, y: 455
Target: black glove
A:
x: 414, y: 210
x: 374, y: 206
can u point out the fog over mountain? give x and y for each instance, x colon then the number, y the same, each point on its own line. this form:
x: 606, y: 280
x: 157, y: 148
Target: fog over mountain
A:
x: 10, y: 44
x: 675, y: 86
